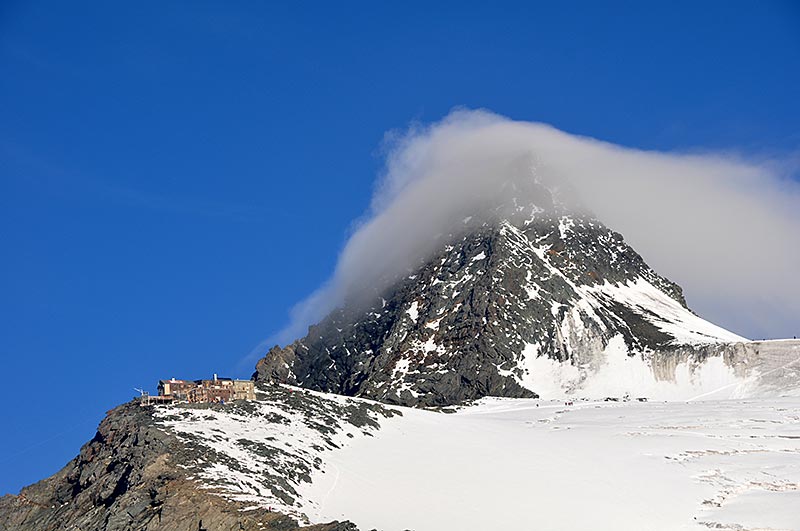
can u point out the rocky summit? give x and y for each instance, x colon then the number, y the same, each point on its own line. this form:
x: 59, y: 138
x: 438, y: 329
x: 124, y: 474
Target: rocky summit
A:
x: 528, y: 285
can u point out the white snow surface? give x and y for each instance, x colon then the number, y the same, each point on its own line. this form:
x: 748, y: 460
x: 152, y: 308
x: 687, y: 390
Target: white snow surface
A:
x: 413, y: 311
x: 529, y: 464
x: 664, y: 312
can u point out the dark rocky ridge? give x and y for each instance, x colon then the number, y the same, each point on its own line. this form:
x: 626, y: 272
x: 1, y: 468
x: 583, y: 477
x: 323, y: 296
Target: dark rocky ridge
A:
x: 134, y: 475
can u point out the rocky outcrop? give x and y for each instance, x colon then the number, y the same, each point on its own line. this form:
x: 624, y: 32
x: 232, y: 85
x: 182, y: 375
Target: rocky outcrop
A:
x: 133, y: 475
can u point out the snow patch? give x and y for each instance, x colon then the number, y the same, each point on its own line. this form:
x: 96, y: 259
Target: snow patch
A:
x: 413, y: 311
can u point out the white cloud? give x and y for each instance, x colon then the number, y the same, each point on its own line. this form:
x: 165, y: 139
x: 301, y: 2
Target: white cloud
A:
x: 725, y: 227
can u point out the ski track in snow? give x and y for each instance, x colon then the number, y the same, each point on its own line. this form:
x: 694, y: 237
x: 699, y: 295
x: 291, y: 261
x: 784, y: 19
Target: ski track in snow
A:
x: 338, y: 473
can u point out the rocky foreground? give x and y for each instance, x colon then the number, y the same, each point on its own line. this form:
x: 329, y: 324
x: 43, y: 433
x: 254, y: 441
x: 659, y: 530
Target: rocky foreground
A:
x: 138, y: 474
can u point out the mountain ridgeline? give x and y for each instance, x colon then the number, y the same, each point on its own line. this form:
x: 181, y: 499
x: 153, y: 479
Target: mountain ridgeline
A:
x: 507, y: 295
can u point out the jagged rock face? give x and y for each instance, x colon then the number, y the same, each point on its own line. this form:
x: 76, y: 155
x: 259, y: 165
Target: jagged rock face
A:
x: 472, y: 320
x: 135, y: 474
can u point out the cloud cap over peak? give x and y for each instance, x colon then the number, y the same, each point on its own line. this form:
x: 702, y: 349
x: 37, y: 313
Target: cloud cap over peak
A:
x: 724, y: 226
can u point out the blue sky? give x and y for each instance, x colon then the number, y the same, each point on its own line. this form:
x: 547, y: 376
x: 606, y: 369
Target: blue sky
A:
x: 173, y: 178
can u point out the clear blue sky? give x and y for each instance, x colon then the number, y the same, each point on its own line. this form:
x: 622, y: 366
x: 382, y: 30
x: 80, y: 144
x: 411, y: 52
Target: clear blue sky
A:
x: 174, y: 177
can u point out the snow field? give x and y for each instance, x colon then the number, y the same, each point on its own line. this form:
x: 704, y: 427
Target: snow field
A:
x: 525, y: 464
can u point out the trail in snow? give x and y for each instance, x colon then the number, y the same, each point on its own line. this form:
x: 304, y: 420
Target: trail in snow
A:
x: 332, y: 487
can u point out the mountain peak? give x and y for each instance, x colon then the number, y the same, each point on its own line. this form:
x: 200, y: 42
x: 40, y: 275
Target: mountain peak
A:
x: 533, y: 280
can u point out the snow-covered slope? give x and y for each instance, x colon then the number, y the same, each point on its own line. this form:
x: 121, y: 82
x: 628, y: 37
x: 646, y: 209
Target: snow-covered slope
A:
x: 264, y: 452
x: 503, y: 463
x: 508, y: 464
x: 665, y: 313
